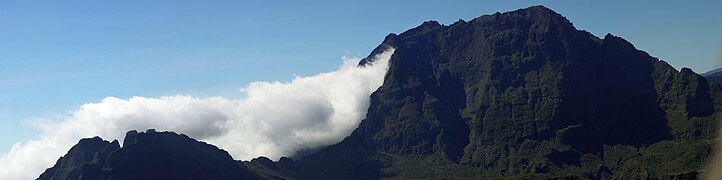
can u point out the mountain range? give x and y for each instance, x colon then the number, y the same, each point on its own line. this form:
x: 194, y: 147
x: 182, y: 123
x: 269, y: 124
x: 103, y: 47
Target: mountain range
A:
x: 520, y: 94
x: 714, y: 75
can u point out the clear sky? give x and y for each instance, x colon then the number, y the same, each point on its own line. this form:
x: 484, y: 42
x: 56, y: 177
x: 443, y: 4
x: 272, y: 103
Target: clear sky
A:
x: 56, y: 56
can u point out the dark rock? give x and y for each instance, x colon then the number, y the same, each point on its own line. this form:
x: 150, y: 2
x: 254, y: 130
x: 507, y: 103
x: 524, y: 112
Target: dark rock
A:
x: 84, y: 159
x: 147, y: 155
x: 526, y: 92
x: 519, y: 95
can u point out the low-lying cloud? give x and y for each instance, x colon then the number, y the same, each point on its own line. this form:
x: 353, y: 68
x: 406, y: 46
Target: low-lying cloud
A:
x: 274, y: 119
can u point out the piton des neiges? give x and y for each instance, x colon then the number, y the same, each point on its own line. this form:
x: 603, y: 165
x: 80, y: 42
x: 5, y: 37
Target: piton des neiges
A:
x: 520, y: 94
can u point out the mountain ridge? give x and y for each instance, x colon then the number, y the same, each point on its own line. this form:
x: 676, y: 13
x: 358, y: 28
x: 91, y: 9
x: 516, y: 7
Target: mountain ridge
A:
x: 574, y: 90
x: 147, y: 155
x: 714, y: 75
x: 521, y: 94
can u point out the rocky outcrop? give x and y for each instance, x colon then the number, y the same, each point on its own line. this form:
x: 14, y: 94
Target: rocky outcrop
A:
x: 525, y: 93
x: 147, y: 155
x: 521, y: 94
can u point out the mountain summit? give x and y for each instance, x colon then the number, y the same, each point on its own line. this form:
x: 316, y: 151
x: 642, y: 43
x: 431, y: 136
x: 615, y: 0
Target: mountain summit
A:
x: 147, y: 155
x: 520, y: 94
x: 525, y: 93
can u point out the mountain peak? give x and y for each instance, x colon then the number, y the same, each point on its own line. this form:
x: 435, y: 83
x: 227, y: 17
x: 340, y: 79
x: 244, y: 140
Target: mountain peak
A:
x: 540, y: 8
x: 520, y: 95
x: 130, y: 137
x: 94, y: 141
x: 83, y: 159
x: 147, y: 155
x: 533, y: 14
x: 526, y: 92
x: 431, y: 23
x: 540, y: 18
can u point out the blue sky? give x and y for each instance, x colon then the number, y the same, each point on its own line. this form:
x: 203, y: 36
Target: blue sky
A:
x: 56, y: 56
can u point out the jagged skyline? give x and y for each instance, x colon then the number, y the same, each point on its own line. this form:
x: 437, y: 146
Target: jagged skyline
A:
x: 57, y: 60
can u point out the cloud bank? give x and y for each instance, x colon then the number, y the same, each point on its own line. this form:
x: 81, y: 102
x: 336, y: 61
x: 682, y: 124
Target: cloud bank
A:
x: 274, y: 119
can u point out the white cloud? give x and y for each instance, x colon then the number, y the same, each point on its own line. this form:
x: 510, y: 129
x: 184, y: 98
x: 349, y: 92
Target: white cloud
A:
x: 274, y: 119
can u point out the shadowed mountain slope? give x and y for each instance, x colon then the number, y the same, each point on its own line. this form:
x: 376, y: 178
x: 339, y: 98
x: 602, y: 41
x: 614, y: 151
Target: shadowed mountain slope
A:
x: 147, y: 155
x: 521, y: 94
x: 524, y: 93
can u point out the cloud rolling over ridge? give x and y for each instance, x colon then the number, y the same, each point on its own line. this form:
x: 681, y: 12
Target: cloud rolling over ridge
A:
x: 274, y: 119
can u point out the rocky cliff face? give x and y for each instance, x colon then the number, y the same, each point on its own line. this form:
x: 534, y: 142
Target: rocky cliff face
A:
x: 147, y: 155
x: 85, y: 159
x: 526, y: 93
x: 521, y: 94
